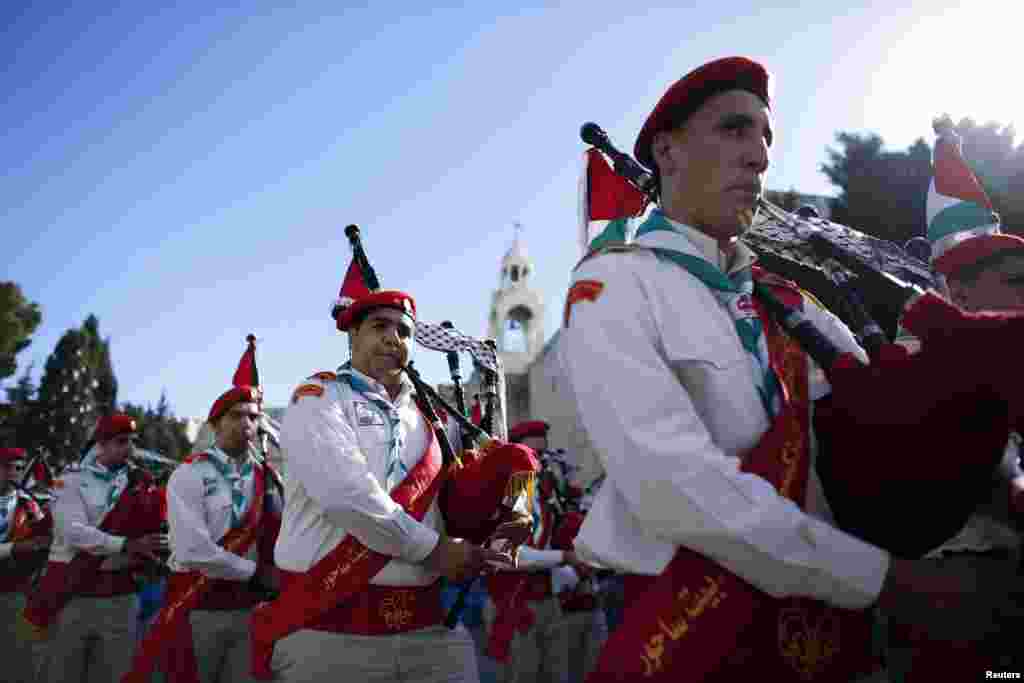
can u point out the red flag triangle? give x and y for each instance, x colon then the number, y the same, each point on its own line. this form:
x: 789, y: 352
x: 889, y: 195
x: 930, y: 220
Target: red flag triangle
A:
x: 609, y: 195
x: 247, y: 375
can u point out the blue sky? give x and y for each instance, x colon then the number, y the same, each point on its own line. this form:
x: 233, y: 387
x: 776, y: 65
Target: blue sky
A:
x: 186, y: 173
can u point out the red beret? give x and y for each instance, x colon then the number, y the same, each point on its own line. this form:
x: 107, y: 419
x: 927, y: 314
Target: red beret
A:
x: 692, y: 90
x: 975, y: 249
x: 8, y: 455
x: 232, y: 396
x: 117, y: 424
x: 529, y: 428
x: 389, y: 298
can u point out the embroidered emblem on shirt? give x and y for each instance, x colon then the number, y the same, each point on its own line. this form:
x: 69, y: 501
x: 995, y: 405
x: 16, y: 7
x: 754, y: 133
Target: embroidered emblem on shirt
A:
x: 314, y: 390
x: 367, y: 416
x: 583, y: 290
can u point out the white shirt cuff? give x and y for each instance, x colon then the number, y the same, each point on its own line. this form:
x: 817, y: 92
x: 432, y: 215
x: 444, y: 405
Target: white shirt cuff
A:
x: 422, y: 539
x: 856, y: 573
x: 6, y: 549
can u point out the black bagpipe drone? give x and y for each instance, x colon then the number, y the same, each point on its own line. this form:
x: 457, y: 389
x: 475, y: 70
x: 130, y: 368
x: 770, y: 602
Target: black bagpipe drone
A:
x: 908, y: 445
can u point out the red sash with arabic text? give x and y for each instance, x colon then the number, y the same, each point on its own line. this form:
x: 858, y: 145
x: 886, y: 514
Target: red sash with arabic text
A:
x: 698, y: 621
x: 136, y: 513
x: 341, y: 573
x: 170, y: 634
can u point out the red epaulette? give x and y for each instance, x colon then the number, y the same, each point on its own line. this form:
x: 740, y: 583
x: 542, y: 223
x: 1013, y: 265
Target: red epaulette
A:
x: 196, y: 457
x: 325, y: 376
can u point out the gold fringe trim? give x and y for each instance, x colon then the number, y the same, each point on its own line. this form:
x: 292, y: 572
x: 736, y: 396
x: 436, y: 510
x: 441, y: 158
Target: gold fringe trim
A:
x: 519, y: 490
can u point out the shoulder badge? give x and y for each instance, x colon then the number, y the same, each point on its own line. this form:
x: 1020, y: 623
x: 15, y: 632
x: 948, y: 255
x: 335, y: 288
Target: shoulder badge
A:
x: 314, y: 390
x: 195, y: 457
x: 325, y: 376
x: 582, y: 290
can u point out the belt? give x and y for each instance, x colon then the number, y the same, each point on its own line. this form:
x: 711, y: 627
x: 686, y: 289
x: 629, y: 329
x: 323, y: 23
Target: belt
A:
x: 537, y: 586
x: 222, y: 594
x: 380, y: 610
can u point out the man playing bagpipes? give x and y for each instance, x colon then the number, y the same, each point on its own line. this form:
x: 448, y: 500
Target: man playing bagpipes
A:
x: 24, y: 541
x: 224, y: 512
x: 527, y: 631
x: 372, y: 487
x: 107, y: 518
x: 699, y: 407
x: 984, y: 270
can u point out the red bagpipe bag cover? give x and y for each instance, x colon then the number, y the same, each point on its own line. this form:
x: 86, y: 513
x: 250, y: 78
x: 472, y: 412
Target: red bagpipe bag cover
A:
x: 920, y: 435
x: 136, y: 513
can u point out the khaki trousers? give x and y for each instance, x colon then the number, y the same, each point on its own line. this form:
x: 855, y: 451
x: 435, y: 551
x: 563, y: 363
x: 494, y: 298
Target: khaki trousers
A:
x: 586, y: 633
x: 20, y: 657
x: 429, y: 655
x: 542, y: 653
x: 94, y: 641
x: 221, y: 643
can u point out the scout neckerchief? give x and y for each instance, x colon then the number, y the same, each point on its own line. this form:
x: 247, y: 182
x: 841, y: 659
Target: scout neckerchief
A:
x: 238, y: 478
x: 8, y: 504
x: 116, y: 479
x: 735, y: 294
x: 396, y: 470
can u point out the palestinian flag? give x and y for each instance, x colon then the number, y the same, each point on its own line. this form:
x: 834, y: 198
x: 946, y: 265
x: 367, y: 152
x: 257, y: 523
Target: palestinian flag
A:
x: 963, y: 227
x: 608, y: 202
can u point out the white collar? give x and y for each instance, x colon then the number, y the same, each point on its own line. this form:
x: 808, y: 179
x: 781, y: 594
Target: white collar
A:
x: 404, y: 393
x: 741, y: 258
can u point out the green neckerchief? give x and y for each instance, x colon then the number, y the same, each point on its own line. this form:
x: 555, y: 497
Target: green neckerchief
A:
x: 735, y: 294
x: 238, y: 478
x: 395, y: 470
x: 116, y: 479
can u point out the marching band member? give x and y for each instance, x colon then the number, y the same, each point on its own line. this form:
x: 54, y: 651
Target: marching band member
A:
x: 712, y: 505
x: 527, y: 634
x: 363, y: 543
x: 223, y: 511
x: 107, y: 516
x: 983, y: 269
x: 24, y: 540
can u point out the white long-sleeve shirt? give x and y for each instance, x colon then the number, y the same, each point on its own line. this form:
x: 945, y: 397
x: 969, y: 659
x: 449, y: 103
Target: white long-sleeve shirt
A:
x: 664, y: 390
x: 336, y: 447
x: 199, y: 515
x: 79, y: 508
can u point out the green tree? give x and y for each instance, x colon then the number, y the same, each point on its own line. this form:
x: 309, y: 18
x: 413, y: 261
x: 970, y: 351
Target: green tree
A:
x: 98, y: 354
x: 19, y: 319
x: 67, y: 397
x: 159, y: 430
x: 881, y: 193
x: 22, y: 426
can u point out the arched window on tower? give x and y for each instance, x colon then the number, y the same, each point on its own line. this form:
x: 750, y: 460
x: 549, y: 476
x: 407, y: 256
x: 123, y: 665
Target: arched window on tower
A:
x: 515, y: 273
x: 515, y: 335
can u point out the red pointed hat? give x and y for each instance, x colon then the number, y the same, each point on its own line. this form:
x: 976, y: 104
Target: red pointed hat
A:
x: 234, y: 396
x: 246, y: 383
x: 8, y: 455
x: 529, y: 428
x: 695, y: 88
x: 387, y: 298
x: 113, y: 425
